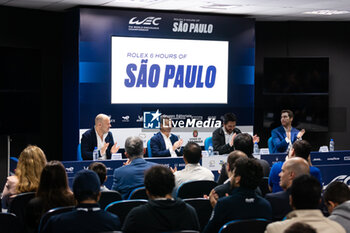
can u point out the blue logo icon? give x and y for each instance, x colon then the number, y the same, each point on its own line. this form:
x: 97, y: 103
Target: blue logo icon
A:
x: 151, y: 120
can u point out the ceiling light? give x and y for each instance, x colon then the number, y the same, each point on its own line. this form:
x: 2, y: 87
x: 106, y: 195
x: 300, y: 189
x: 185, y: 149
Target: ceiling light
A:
x: 219, y: 6
x: 326, y: 12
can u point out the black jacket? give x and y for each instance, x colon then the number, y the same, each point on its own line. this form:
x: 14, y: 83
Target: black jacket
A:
x: 161, y: 216
x: 219, y: 141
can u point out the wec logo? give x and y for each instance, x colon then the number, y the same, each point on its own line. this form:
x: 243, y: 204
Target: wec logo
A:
x: 341, y: 178
x: 147, y: 21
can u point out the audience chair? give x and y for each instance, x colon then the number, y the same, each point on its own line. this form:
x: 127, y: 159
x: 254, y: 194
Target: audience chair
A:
x: 270, y: 145
x: 107, y: 197
x: 122, y: 208
x: 208, y: 142
x: 195, y: 189
x: 52, y: 212
x: 10, y: 223
x: 79, y: 157
x: 257, y: 225
x: 149, y: 151
x: 264, y: 186
x: 19, y: 203
x: 138, y: 193
x: 203, y: 209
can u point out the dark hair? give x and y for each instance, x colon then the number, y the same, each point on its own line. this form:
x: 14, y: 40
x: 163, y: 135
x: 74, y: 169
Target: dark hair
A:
x: 86, y: 185
x: 244, y: 143
x: 159, y: 181
x: 53, y: 186
x: 134, y: 146
x: 232, y: 158
x: 337, y: 192
x: 100, y: 170
x: 250, y: 172
x: 192, y: 152
x: 229, y: 117
x: 290, y: 113
x: 300, y: 227
x: 306, y: 192
x: 302, y: 149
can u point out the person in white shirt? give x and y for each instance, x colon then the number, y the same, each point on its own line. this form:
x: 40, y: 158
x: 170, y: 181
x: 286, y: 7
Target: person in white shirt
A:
x: 193, y: 170
x: 164, y: 143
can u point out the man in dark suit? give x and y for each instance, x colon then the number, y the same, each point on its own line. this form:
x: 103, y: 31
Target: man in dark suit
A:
x: 99, y: 137
x: 164, y: 143
x: 130, y: 176
x: 279, y: 201
x: 285, y: 135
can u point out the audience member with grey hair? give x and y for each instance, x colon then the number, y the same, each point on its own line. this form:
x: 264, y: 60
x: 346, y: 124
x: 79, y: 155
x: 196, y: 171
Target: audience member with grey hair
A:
x: 130, y: 176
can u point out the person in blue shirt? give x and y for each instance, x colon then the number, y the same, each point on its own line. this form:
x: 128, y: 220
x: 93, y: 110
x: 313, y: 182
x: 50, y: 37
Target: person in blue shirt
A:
x: 285, y: 135
x: 302, y: 149
x: 130, y: 176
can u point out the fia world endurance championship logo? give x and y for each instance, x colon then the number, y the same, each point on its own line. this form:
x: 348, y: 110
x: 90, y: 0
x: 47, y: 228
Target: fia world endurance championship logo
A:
x: 151, y: 120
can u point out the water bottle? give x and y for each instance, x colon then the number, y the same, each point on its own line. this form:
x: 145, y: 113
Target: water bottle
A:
x: 95, y: 154
x: 331, y: 145
x: 256, y: 148
x: 210, y: 150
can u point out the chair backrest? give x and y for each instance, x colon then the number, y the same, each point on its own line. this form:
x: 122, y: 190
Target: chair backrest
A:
x: 270, y: 145
x: 107, y: 197
x: 203, y: 209
x: 10, y: 223
x: 138, y: 193
x: 194, y: 189
x: 122, y: 208
x: 257, y: 225
x: 19, y: 203
x: 208, y: 142
x: 79, y: 158
x: 264, y: 186
x: 149, y: 151
x: 51, y: 213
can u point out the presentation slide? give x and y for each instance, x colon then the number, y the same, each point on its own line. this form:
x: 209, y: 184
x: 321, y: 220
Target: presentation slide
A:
x: 168, y: 71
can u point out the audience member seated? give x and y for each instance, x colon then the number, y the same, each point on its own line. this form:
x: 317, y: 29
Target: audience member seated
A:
x: 193, y: 170
x: 99, y: 137
x: 305, y: 200
x: 300, y: 227
x: 285, y: 135
x: 243, y: 203
x: 226, y: 188
x: 87, y: 216
x: 53, y: 191
x: 162, y: 213
x: 223, y: 137
x: 279, y: 201
x: 337, y: 200
x: 300, y: 148
x: 164, y: 143
x: 101, y: 171
x: 130, y: 176
x: 245, y: 143
x: 31, y: 162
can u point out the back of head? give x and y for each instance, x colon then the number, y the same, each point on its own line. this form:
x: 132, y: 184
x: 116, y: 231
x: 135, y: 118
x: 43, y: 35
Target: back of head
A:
x: 302, y: 149
x: 289, y: 112
x: 192, y: 152
x: 297, y: 165
x: 233, y: 156
x: 250, y: 172
x: 337, y: 192
x: 134, y: 147
x: 31, y: 162
x: 244, y: 143
x: 229, y: 117
x: 86, y: 185
x: 159, y: 181
x: 100, y: 170
x: 299, y: 227
x: 53, y: 179
x: 305, y: 192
